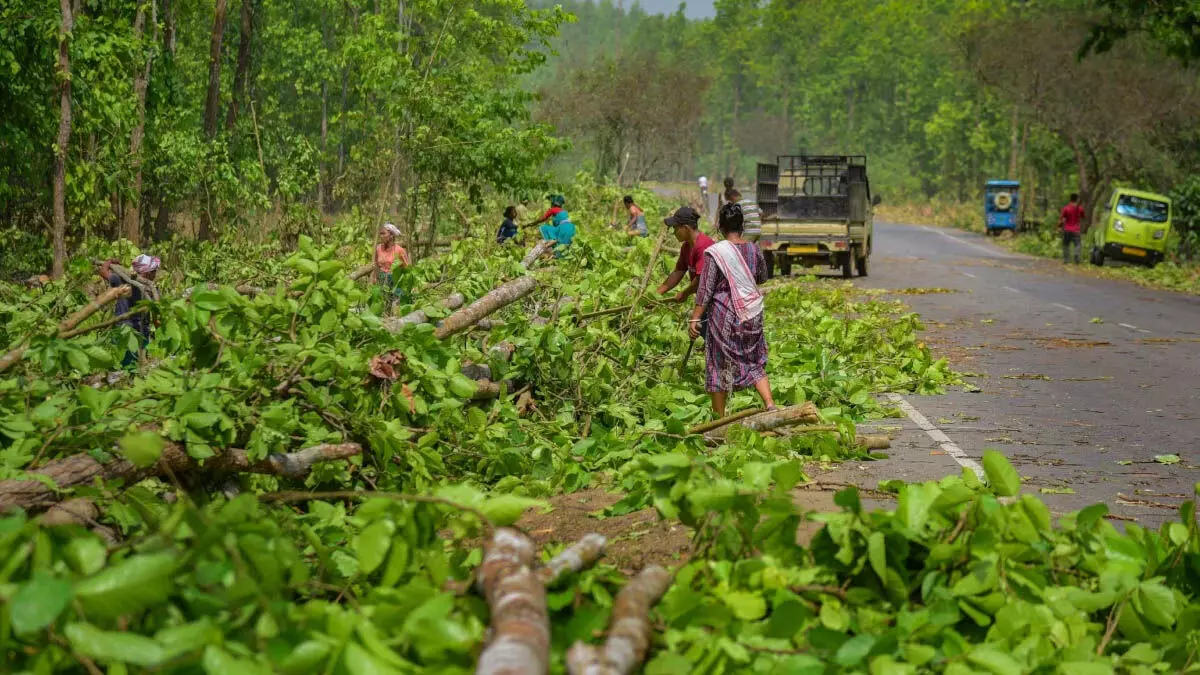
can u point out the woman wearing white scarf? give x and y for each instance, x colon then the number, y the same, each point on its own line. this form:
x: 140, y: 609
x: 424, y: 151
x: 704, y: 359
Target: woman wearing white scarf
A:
x: 735, y: 350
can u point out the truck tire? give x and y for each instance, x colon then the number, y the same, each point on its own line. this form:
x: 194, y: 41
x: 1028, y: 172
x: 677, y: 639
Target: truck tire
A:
x: 860, y: 263
x: 785, y: 266
x: 1097, y: 258
x: 847, y: 265
x: 769, y: 257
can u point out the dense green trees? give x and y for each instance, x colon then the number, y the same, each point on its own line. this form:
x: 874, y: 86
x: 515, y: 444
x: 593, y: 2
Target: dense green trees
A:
x: 942, y: 95
x: 203, y: 116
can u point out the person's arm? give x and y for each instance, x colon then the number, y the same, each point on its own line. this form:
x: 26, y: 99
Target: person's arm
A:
x: 672, y: 281
x: 404, y: 257
x: 545, y: 216
x: 688, y: 291
x: 760, y: 266
x: 704, y: 285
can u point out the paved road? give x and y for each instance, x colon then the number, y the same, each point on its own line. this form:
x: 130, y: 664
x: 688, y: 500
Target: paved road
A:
x: 1082, y: 408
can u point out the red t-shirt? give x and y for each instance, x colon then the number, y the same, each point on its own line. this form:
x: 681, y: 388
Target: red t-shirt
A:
x: 1072, y: 216
x: 550, y: 213
x: 691, y: 258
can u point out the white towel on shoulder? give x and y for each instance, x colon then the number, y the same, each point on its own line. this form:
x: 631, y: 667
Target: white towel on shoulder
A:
x: 743, y: 291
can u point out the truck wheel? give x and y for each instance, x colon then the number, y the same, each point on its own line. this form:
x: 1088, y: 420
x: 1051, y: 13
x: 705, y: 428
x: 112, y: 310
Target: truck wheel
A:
x: 785, y: 266
x: 847, y: 265
x: 1097, y: 258
x: 861, y: 264
x: 769, y: 257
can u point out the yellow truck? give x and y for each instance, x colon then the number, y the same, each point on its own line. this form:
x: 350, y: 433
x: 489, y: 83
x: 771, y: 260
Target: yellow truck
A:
x: 816, y: 210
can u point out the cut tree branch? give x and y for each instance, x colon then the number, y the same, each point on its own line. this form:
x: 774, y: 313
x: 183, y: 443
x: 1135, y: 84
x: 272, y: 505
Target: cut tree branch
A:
x: 801, y: 414
x: 520, y: 621
x: 450, y: 302
x: 70, y: 323
x: 499, y: 297
x: 629, y: 631
x: 537, y: 252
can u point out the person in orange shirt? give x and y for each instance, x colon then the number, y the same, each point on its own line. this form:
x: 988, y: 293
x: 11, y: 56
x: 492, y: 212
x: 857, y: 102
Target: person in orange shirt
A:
x: 388, y: 254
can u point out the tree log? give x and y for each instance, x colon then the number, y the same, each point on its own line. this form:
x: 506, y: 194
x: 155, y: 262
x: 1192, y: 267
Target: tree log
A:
x: 501, y: 296
x: 82, y: 469
x: 486, y: 389
x: 728, y: 419
x: 629, y: 630
x: 581, y: 554
x: 520, y: 621
x: 801, y: 414
x: 360, y: 272
x: 874, y: 441
x: 450, y: 302
x: 536, y: 252
x: 70, y: 323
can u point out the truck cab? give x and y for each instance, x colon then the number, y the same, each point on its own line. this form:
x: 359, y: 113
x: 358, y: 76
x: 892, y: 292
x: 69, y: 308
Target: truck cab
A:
x: 816, y: 210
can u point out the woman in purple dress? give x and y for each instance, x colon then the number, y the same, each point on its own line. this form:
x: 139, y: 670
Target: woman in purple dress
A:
x: 729, y: 307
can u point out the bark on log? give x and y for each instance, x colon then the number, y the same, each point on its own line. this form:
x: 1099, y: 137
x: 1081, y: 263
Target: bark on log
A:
x: 581, y: 554
x: 728, y: 419
x: 520, y: 622
x: 360, y: 272
x: 874, y: 441
x: 801, y: 414
x: 487, y: 390
x: 82, y: 469
x: 69, y: 324
x: 501, y: 296
x: 536, y: 252
x: 629, y: 630
x: 503, y: 351
x: 450, y: 302
x: 80, y: 511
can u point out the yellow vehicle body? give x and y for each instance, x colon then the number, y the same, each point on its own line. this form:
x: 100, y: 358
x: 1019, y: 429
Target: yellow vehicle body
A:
x: 817, y: 210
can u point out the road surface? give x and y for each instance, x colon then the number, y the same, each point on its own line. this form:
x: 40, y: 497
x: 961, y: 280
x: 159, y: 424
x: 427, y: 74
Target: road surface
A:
x: 1083, y: 381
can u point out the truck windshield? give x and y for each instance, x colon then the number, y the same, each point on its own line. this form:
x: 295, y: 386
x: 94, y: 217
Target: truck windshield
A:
x: 1143, y: 209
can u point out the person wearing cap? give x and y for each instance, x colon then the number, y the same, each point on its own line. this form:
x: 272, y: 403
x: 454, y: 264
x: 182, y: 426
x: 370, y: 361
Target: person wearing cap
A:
x: 389, y: 253
x: 729, y: 313
x: 686, y: 223
x: 146, y: 267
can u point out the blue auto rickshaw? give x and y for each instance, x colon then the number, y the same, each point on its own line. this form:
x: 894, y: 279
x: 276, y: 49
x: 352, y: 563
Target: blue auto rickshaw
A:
x: 1001, y: 206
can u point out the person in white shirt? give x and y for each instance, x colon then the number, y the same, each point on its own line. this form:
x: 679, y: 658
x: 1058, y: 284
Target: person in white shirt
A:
x: 704, y: 192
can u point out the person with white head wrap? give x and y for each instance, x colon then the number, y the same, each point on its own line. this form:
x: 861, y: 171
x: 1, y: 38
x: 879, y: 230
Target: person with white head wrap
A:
x: 388, y: 254
x: 145, y: 266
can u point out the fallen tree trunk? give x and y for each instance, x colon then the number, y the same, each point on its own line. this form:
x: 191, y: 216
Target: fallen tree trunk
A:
x: 728, y: 419
x: 83, y: 469
x: 629, y: 630
x: 501, y: 296
x: 581, y: 554
x: 520, y: 623
x: 451, y: 302
x: 766, y: 421
x: 536, y: 252
x: 360, y: 272
x: 70, y: 323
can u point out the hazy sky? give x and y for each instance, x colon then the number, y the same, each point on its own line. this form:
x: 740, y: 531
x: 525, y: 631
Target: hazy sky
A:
x: 695, y: 8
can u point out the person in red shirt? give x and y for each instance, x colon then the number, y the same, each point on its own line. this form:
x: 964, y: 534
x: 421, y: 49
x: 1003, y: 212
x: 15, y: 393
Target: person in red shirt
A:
x: 1071, y: 221
x: 686, y: 223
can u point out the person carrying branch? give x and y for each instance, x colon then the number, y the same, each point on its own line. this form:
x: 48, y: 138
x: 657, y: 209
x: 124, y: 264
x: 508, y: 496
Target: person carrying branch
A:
x: 735, y: 350
x: 388, y: 254
x: 686, y: 223
x: 146, y: 267
x: 636, y: 227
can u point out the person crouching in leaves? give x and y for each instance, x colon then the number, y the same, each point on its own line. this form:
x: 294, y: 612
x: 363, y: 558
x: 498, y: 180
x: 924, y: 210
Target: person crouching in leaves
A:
x: 145, y: 266
x: 389, y: 253
x: 508, y: 228
x: 735, y: 350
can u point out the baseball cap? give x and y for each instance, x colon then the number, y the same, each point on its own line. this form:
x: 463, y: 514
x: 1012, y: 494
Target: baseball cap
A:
x: 684, y: 215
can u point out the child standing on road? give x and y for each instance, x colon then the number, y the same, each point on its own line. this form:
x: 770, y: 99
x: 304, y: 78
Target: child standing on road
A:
x: 1071, y: 220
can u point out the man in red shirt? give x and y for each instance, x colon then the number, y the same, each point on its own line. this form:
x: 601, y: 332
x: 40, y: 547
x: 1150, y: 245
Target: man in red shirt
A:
x: 1071, y: 220
x: 686, y: 222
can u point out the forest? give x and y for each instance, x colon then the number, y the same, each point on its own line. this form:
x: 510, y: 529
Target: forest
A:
x: 232, y: 443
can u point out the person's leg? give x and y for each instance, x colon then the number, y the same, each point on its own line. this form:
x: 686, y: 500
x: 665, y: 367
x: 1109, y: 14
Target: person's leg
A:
x: 763, y: 387
x: 718, y: 401
x: 1077, y: 239
x: 1066, y: 247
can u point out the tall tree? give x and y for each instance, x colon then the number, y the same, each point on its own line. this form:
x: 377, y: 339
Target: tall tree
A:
x: 141, y: 79
x: 245, y: 38
x: 212, y: 102
x: 62, y: 143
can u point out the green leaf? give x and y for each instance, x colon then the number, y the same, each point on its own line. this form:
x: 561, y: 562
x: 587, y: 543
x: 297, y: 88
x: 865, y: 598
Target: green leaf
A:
x: 1001, y: 476
x: 114, y: 647
x: 86, y: 555
x: 877, y: 553
x: 127, y: 587
x: 217, y: 661
x: 1156, y: 603
x: 507, y: 509
x: 371, y: 545
x: 745, y: 605
x: 211, y: 301
x: 305, y: 658
x: 853, y: 651
x: 994, y: 661
x: 38, y: 602
x: 463, y: 386
x: 143, y: 448
x: 1167, y: 459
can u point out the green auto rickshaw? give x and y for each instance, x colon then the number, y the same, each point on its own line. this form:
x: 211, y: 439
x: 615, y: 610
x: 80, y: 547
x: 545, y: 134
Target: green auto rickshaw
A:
x: 1133, y: 227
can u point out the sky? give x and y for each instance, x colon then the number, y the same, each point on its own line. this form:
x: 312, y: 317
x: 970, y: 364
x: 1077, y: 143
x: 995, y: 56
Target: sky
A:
x: 696, y: 9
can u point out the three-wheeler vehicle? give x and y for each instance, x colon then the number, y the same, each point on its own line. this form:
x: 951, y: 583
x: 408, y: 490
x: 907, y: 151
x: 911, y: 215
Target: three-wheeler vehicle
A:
x: 1133, y: 227
x: 1001, y: 206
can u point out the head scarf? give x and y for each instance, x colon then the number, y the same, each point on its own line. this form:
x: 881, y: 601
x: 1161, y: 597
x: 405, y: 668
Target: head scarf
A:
x: 558, y: 200
x: 145, y: 264
x: 395, y: 231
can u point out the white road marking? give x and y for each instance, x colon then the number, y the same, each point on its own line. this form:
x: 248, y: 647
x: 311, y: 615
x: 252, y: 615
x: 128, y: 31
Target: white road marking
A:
x: 995, y: 253
x: 1066, y: 307
x: 1010, y: 288
x: 943, y: 441
x: 969, y: 275
x: 1143, y: 330
x: 1125, y: 325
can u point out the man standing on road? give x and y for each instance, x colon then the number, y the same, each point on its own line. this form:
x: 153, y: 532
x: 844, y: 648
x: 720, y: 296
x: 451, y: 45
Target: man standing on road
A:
x: 1071, y: 220
x: 686, y: 223
x: 751, y: 215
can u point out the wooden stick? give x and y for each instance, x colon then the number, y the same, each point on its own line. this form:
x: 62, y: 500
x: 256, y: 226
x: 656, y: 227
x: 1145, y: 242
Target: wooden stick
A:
x: 662, y: 238
x: 103, y: 324
x: 360, y: 272
x: 83, y: 469
x: 728, y: 419
x: 766, y: 421
x: 451, y: 302
x: 499, y: 297
x: 520, y: 622
x: 536, y: 252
